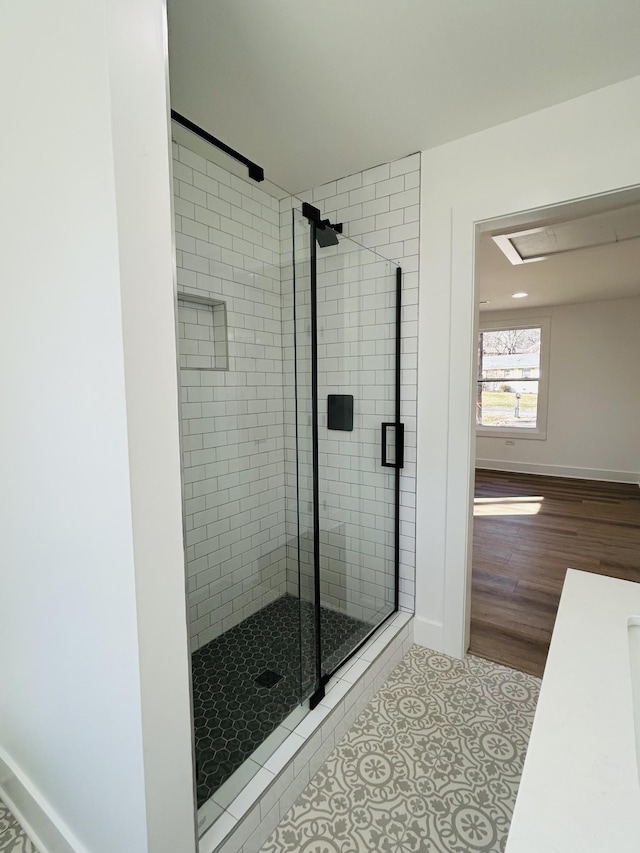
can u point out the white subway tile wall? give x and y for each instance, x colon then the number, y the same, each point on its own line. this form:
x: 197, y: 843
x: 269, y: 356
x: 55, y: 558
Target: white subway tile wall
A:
x: 379, y: 208
x: 228, y: 251
x: 234, y: 248
x: 296, y: 338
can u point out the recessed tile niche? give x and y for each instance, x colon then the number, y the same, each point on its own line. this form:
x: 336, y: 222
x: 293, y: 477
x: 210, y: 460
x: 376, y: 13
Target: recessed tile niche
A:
x: 202, y: 333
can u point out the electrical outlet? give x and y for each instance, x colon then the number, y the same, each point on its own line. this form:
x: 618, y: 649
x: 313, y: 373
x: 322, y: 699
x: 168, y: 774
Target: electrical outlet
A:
x: 510, y: 442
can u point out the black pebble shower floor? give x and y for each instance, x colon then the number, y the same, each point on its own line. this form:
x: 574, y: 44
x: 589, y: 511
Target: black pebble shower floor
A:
x: 233, y: 714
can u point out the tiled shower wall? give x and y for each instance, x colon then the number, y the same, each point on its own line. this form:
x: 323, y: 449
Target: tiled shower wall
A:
x: 233, y: 247
x: 228, y: 251
x: 379, y: 209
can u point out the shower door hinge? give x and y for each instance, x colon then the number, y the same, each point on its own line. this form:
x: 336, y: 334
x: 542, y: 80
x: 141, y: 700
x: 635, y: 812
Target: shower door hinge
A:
x: 313, y: 215
x: 319, y: 695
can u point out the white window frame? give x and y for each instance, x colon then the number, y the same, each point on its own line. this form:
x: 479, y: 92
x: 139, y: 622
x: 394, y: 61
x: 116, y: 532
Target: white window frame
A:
x: 539, y: 432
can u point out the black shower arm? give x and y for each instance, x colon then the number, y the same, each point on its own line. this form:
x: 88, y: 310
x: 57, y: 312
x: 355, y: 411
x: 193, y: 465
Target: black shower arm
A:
x: 324, y: 223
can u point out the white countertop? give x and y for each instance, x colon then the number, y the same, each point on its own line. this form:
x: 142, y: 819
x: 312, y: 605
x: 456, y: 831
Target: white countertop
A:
x: 580, y: 791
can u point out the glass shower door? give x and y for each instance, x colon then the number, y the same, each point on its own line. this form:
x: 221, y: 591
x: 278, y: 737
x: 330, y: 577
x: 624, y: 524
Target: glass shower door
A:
x: 357, y: 301
x: 356, y: 440
x: 254, y: 658
x: 299, y: 453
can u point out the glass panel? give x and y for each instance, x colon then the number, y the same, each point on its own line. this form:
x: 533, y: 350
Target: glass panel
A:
x: 296, y: 325
x: 508, y: 373
x: 356, y: 307
x: 261, y: 633
x: 506, y: 407
x: 235, y: 300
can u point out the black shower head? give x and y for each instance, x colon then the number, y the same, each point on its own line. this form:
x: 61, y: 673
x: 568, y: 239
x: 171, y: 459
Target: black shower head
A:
x: 327, y: 234
x: 326, y: 237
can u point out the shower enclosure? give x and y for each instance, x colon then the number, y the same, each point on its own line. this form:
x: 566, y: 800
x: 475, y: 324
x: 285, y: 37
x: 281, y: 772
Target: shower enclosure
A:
x: 289, y: 371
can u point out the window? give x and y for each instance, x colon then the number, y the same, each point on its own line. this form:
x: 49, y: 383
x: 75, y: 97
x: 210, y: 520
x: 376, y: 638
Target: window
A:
x: 515, y: 405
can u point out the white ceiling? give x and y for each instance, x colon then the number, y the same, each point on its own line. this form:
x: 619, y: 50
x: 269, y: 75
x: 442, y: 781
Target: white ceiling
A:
x: 317, y: 90
x: 597, y: 229
x: 585, y: 275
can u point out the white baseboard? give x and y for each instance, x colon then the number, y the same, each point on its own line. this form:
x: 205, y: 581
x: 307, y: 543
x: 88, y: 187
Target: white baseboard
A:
x: 560, y: 471
x: 428, y: 634
x: 38, y: 819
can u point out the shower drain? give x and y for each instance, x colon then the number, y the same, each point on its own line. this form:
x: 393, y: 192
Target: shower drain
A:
x: 268, y: 678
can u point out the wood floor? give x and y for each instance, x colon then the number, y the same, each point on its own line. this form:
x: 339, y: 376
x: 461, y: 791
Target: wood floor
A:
x: 527, y: 531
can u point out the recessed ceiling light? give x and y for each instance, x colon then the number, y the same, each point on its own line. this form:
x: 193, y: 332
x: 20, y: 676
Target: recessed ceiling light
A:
x: 520, y: 295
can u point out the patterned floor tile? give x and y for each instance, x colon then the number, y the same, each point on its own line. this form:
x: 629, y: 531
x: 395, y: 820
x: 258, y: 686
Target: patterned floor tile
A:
x: 12, y: 838
x: 432, y: 765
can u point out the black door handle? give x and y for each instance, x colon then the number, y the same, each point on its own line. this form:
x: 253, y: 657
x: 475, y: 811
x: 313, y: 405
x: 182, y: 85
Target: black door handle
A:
x: 399, y: 445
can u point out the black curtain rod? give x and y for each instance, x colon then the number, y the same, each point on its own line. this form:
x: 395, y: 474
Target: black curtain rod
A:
x: 255, y: 172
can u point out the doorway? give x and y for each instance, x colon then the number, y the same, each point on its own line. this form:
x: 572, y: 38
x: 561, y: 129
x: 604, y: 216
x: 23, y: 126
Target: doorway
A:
x: 556, y: 455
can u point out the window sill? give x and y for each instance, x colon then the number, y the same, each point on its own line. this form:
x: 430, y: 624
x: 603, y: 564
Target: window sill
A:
x: 522, y: 432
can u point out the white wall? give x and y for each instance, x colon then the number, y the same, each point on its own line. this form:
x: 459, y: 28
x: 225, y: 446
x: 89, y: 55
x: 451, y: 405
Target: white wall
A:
x: 94, y: 704
x: 580, y: 148
x: 594, y: 396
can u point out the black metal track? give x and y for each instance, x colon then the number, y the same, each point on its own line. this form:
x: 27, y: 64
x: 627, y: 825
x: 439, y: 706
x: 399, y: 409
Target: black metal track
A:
x: 255, y: 172
x: 399, y: 432
x: 319, y: 693
x: 297, y: 417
